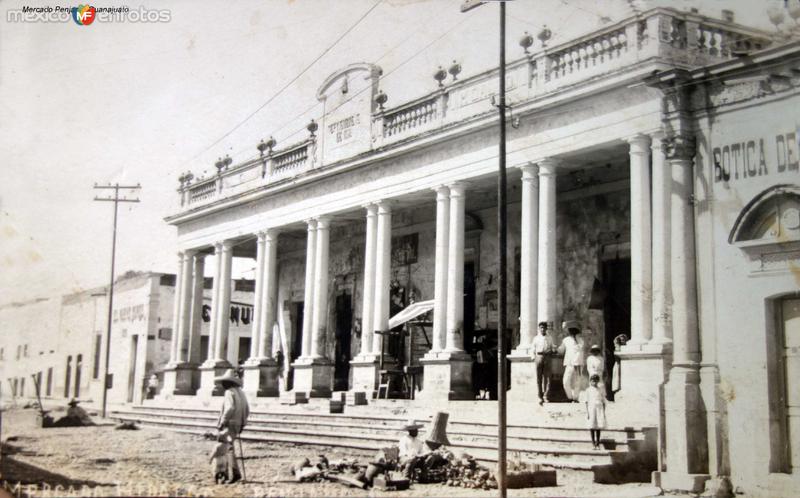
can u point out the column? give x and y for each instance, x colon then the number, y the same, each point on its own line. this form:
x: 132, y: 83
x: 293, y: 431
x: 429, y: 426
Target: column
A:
x: 455, y: 270
x: 662, y: 294
x: 641, y: 301
x: 308, y: 306
x: 269, y: 298
x: 176, y: 312
x: 260, y: 371
x: 196, y: 313
x: 448, y: 371
x: 685, y: 426
x: 546, y: 310
x: 182, y: 329
x: 215, y: 296
x: 320, y: 322
x: 441, y: 268
x: 383, y: 255
x: 259, y: 291
x: 223, y: 309
x: 529, y: 256
x: 367, y: 308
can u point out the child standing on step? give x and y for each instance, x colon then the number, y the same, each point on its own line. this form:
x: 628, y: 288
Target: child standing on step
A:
x: 595, y: 410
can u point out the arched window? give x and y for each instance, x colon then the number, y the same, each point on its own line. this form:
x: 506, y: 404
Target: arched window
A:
x: 773, y: 216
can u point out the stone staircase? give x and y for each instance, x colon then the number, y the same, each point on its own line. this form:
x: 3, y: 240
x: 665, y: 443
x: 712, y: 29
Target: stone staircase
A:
x: 628, y: 453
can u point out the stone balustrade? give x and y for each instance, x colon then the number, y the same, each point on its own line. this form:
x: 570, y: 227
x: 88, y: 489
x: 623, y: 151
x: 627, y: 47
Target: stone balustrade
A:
x: 659, y: 35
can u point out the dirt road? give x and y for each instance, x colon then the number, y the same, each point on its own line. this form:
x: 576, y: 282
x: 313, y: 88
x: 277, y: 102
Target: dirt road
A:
x: 101, y: 461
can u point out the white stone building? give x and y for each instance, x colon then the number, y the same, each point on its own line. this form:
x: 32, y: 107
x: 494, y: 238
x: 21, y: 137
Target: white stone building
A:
x: 653, y: 188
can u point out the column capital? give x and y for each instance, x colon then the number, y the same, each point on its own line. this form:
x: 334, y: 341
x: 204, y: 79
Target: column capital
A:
x: 442, y: 191
x: 227, y: 245
x: 457, y: 189
x: 547, y: 166
x: 679, y: 147
x: 657, y: 140
x: 530, y: 172
x: 312, y: 224
x: 640, y: 143
x: 371, y: 207
x: 323, y: 222
x: 268, y: 234
x: 385, y: 205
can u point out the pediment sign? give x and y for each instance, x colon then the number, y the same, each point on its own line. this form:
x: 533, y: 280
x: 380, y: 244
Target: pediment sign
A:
x: 348, y: 96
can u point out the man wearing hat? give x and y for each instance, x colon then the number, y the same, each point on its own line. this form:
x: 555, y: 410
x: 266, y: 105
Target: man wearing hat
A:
x: 232, y: 416
x: 572, y: 349
x: 542, y: 346
x: 416, y: 454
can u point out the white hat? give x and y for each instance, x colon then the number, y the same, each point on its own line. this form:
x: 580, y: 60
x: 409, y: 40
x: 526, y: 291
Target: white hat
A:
x: 229, y: 376
x: 411, y: 424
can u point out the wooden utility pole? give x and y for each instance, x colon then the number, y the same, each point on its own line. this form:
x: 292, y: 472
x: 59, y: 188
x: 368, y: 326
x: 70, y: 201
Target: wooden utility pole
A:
x: 116, y: 200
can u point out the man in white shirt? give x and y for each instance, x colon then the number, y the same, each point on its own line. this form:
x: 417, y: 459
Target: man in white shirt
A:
x: 574, y: 362
x: 542, y: 346
x: 412, y: 449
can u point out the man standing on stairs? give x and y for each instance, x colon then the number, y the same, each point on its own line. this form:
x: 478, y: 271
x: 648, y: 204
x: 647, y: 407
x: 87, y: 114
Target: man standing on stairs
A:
x: 232, y: 416
x: 574, y: 362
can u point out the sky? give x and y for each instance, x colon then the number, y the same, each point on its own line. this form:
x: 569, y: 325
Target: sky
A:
x: 141, y: 103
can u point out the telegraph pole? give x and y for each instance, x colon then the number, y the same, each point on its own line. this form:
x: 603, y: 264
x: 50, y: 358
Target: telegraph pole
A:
x: 116, y: 200
x: 502, y: 264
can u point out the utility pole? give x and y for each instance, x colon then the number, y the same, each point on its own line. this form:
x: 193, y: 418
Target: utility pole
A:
x: 502, y: 264
x: 116, y: 200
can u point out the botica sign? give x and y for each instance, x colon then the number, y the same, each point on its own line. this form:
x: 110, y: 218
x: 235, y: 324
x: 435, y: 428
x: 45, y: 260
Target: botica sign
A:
x: 757, y: 156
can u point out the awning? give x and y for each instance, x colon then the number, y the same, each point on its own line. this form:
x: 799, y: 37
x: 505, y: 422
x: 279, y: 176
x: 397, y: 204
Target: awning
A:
x: 410, y: 312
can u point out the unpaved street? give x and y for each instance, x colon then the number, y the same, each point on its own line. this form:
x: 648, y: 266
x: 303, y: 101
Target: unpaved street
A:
x: 101, y: 461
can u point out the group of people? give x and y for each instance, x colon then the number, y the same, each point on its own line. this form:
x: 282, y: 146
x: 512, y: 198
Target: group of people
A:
x: 577, y: 369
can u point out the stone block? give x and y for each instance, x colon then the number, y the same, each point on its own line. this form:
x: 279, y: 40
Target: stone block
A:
x: 448, y: 376
x: 261, y: 378
x: 209, y: 370
x: 531, y: 479
x: 293, y: 398
x: 355, y: 398
x: 523, y: 379
x: 335, y: 406
x: 313, y: 377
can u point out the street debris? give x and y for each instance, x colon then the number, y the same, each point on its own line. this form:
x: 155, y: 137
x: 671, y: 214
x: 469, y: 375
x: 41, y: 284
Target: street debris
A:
x: 126, y: 426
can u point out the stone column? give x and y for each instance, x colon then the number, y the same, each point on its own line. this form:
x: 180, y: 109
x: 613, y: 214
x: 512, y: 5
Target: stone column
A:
x: 261, y: 370
x: 216, y: 364
x: 383, y: 260
x: 546, y: 310
x: 313, y: 372
x: 523, y: 366
x: 529, y: 257
x: 455, y: 270
x: 182, y: 329
x: 196, y: 319
x: 170, y: 372
x: 641, y: 288
x: 367, y: 309
x: 662, y: 293
x: 448, y: 372
x: 320, y: 322
x: 441, y: 268
x: 176, y: 311
x: 365, y: 365
x: 684, y: 416
x: 221, y: 353
x: 308, y: 306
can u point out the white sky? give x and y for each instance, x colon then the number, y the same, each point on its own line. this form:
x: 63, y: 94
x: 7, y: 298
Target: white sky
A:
x: 134, y: 102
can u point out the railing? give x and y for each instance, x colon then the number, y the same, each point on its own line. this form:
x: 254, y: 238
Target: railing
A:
x: 658, y: 35
x: 410, y: 116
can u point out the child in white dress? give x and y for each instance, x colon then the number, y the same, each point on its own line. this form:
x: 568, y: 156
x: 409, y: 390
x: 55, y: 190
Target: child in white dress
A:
x: 595, y: 410
x: 219, y: 460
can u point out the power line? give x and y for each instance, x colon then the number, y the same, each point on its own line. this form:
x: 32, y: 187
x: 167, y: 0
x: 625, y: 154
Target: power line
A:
x: 116, y: 200
x: 287, y: 85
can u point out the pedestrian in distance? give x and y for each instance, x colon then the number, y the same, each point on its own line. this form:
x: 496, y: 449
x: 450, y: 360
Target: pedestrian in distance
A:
x: 595, y: 410
x: 232, y: 417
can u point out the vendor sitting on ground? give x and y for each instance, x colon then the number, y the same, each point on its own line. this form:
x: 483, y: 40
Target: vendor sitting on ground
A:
x: 415, y: 454
x: 75, y: 417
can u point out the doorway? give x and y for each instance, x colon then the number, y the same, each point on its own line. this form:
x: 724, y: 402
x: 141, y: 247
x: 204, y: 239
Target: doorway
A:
x: 78, y: 365
x: 790, y: 358
x: 297, y: 314
x: 344, y: 334
x: 616, y: 308
x: 132, y: 367
x: 243, y: 352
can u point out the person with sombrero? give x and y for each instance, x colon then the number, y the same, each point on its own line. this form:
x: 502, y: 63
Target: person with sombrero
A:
x: 574, y: 362
x: 232, y: 416
x: 414, y: 453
